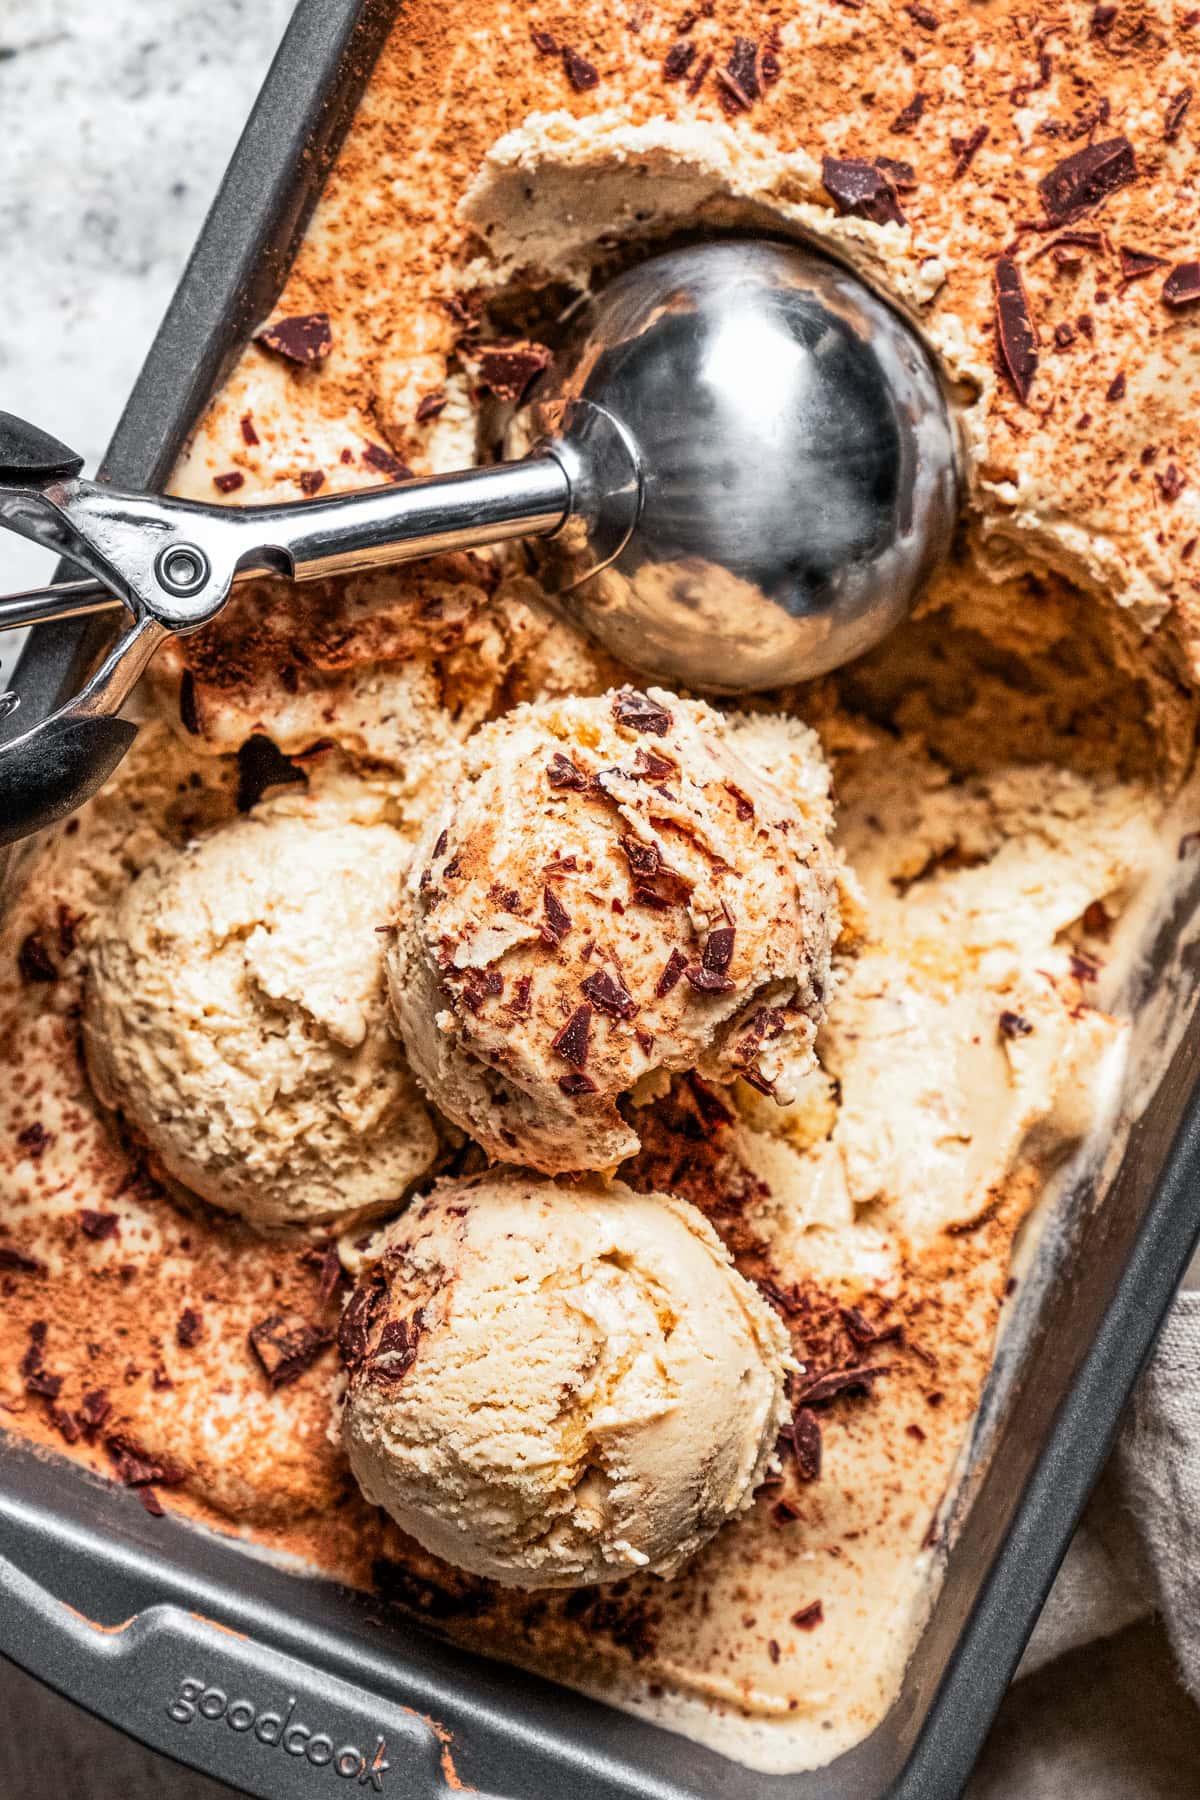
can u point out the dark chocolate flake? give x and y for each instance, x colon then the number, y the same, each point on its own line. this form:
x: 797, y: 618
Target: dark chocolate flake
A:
x: 640, y: 713
x: 545, y: 43
x: 577, y: 1084
x: 581, y: 74
x: 230, y: 482
x: 189, y: 1328
x: 809, y: 1616
x: 1086, y: 178
x: 678, y: 60
x: 708, y: 981
x: 718, y: 950
x: 99, y: 1225
x: 189, y: 718
x: 965, y: 150
x: 262, y: 765
x: 20, y: 1261
x: 672, y: 973
x: 508, y: 370
x: 304, y: 339
x: 859, y: 190
x: 806, y: 1444
x: 35, y: 1140
x: 430, y: 406
x: 396, y: 1351
x: 561, y: 772
x: 573, y: 1041
x: 1014, y: 1025
x: 310, y: 481
x: 286, y: 1346
x: 377, y: 457
x: 1182, y: 286
x: 1136, y: 263
x: 608, y: 994
x: 1170, y: 483
x: 1116, y: 387
x: 902, y: 175
x: 1177, y: 110
x: 355, y: 1327
x: 139, y: 1467
x: 1014, y: 327
x: 557, y: 921
x: 34, y: 960
x: 911, y: 115
x: 249, y: 435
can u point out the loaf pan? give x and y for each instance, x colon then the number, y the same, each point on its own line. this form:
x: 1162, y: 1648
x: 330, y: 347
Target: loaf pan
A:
x: 285, y: 1686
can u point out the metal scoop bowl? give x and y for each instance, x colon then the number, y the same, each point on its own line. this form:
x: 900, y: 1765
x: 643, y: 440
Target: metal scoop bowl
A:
x: 743, y: 468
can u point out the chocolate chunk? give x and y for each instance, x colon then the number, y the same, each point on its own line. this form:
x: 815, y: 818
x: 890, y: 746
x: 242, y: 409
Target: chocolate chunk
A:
x: 718, y: 950
x: 577, y: 1084
x: 137, y: 1466
x: 20, y: 1261
x: 809, y: 1616
x: 1014, y: 1025
x: 396, y: 1351
x: 429, y: 406
x: 649, y: 766
x: 699, y: 75
x: 304, y: 339
x: 34, y: 960
x: 965, y: 148
x: 912, y: 114
x: 507, y: 370
x: 708, y: 981
x: 1014, y: 327
x: 640, y: 713
x: 654, y: 885
x: 608, y: 994
x: 1182, y: 286
x: 1116, y: 387
x: 643, y: 859
x: 581, y: 74
x: 377, y: 457
x: 480, y: 986
x: 287, y: 1346
x: 678, y: 60
x: 742, y: 803
x: 902, y: 175
x: 189, y: 718
x: 1102, y: 21
x: 35, y: 1140
x: 572, y: 1042
x: 66, y: 1423
x: 249, y: 435
x: 545, y: 43
x: 262, y: 765
x: 1177, y: 109
x: 827, y: 1384
x: 519, y: 1004
x: 922, y: 16
x: 806, y: 1442
x: 311, y: 481
x: 1136, y: 263
x: 740, y: 78
x: 675, y: 965
x: 189, y: 1328
x: 356, y: 1321
x: 557, y: 921
x: 561, y: 772
x: 99, y: 1225
x: 859, y: 190
x: 229, y: 483
x: 1086, y: 178
x: 858, y: 1327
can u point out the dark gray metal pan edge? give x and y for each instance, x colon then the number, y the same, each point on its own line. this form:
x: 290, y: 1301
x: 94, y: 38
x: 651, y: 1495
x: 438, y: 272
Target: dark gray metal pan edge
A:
x: 69, y: 1543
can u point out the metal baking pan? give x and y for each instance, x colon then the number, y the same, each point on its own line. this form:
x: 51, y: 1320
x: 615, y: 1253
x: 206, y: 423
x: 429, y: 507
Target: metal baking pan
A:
x: 282, y: 1685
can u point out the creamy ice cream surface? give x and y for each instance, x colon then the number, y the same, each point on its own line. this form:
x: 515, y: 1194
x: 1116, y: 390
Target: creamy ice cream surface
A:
x: 610, y: 889
x: 235, y: 1017
x: 555, y: 1386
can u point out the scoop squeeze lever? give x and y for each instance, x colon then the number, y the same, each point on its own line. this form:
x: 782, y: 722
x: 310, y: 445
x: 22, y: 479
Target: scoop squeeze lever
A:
x: 742, y: 469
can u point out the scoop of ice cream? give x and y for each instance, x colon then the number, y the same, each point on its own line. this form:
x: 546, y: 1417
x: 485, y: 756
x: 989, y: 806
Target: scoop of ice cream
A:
x: 236, y: 1016
x: 609, y: 888
x: 554, y: 1386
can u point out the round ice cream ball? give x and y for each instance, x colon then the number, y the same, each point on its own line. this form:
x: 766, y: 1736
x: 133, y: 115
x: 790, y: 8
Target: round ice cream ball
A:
x: 236, y: 1016
x: 609, y: 888
x: 553, y: 1386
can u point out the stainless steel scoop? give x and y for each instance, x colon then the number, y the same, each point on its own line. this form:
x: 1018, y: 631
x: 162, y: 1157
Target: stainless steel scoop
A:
x: 743, y: 467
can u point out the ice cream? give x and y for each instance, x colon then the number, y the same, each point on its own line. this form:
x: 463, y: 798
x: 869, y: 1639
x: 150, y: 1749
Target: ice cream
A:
x: 235, y: 1017
x: 608, y: 889
x: 555, y: 1386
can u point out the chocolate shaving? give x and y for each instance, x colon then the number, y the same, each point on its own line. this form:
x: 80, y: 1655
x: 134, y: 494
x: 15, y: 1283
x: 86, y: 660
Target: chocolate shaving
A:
x: 828, y: 1383
x: 429, y: 407
x: 1014, y: 1025
x: 480, y: 986
x: 507, y: 370
x: 608, y: 994
x: 262, y: 765
x: 1102, y: 21
x: 675, y: 965
x: 137, y: 1466
x: 99, y: 1225
x: 1182, y: 286
x: 699, y: 75
x: 718, y: 950
x: 708, y: 981
x: 561, y: 772
x: 557, y: 922
x: 1136, y: 263
x: 189, y: 1328
x: 304, y: 339
x: 806, y: 1444
x: 859, y: 190
x: 581, y: 74
x: 1177, y: 109
x: 577, y: 1084
x: 1014, y: 327
x: 287, y: 1346
x: 1086, y: 178
x: 94, y: 1409
x: 229, y: 483
x: 678, y: 60
x: 809, y: 1616
x: 640, y: 713
x: 20, y: 1261
x: 1116, y: 387
x: 902, y: 175
x: 545, y: 43
x: 922, y: 16
x: 572, y: 1042
x: 249, y: 435
x: 1170, y: 483
x: 376, y: 457
x: 649, y: 766
x: 912, y: 114
x: 519, y: 1004
x: 965, y: 150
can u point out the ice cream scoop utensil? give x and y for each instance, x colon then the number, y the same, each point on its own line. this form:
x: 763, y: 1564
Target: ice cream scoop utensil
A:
x: 742, y: 468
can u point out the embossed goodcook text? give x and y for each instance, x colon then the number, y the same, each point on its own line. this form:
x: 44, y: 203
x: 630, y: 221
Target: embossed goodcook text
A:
x: 280, y: 1730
